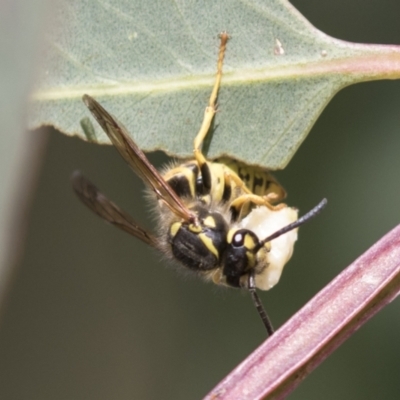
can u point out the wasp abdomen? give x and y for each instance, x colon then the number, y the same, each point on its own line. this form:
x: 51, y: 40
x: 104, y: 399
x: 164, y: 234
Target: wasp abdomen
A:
x: 258, y: 180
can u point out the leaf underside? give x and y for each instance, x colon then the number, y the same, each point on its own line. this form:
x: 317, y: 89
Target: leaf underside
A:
x: 152, y: 65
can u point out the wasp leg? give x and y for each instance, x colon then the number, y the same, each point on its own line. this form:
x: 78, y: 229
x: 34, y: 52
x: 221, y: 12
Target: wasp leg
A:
x: 259, y: 306
x: 240, y: 206
x: 238, y: 203
x: 232, y: 177
x: 208, y: 116
x: 274, y: 191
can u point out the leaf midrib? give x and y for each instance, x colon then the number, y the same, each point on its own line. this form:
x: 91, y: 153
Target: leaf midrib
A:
x: 365, y: 67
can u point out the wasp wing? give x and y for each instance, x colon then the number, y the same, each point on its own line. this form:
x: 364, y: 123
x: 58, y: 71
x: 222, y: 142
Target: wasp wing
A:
x: 135, y: 157
x: 106, y: 209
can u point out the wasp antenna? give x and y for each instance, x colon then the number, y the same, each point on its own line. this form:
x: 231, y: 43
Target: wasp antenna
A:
x: 258, y: 304
x: 312, y: 213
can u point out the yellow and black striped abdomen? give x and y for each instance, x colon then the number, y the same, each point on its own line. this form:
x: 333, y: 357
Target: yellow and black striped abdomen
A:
x: 258, y: 180
x: 228, y: 179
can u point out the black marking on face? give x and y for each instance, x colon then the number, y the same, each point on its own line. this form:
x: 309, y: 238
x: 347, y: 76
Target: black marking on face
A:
x: 190, y: 250
x: 238, y: 256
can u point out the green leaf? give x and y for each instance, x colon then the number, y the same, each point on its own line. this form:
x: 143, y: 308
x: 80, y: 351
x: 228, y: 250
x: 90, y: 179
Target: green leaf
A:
x: 152, y: 65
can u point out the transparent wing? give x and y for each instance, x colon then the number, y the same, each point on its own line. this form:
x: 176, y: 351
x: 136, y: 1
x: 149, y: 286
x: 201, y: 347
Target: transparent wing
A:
x: 137, y: 159
x: 106, y: 209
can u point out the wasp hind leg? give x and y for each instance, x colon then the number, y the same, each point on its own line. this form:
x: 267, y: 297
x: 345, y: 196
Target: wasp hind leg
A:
x: 208, y: 117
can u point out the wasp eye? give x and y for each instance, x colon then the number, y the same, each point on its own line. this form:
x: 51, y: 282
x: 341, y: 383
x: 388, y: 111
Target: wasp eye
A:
x: 238, y: 239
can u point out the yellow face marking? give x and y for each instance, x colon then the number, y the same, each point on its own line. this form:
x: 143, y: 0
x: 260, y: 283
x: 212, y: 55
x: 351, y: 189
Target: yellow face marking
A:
x: 251, y: 258
x: 229, y: 237
x: 194, y: 228
x: 268, y: 246
x: 249, y: 242
x: 209, y: 244
x: 210, y: 222
x: 173, y: 230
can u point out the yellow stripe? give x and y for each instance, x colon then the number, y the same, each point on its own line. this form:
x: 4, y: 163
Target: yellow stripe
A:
x: 209, y: 244
x: 251, y: 259
x: 175, y: 228
x: 249, y: 242
x: 229, y: 237
x: 210, y: 222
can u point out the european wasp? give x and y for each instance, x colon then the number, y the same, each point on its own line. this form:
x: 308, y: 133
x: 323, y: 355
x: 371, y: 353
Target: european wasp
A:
x: 219, y: 219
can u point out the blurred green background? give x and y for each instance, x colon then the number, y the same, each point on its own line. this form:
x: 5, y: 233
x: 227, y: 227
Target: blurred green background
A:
x: 95, y: 314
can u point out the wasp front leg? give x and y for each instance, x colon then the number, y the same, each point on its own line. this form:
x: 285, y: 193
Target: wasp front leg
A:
x: 208, y: 117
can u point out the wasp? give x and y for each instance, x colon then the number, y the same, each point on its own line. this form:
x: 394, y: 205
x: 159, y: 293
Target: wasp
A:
x: 217, y: 218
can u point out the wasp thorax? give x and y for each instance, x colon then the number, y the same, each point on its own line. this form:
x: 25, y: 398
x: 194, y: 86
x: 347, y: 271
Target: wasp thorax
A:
x: 199, y: 246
